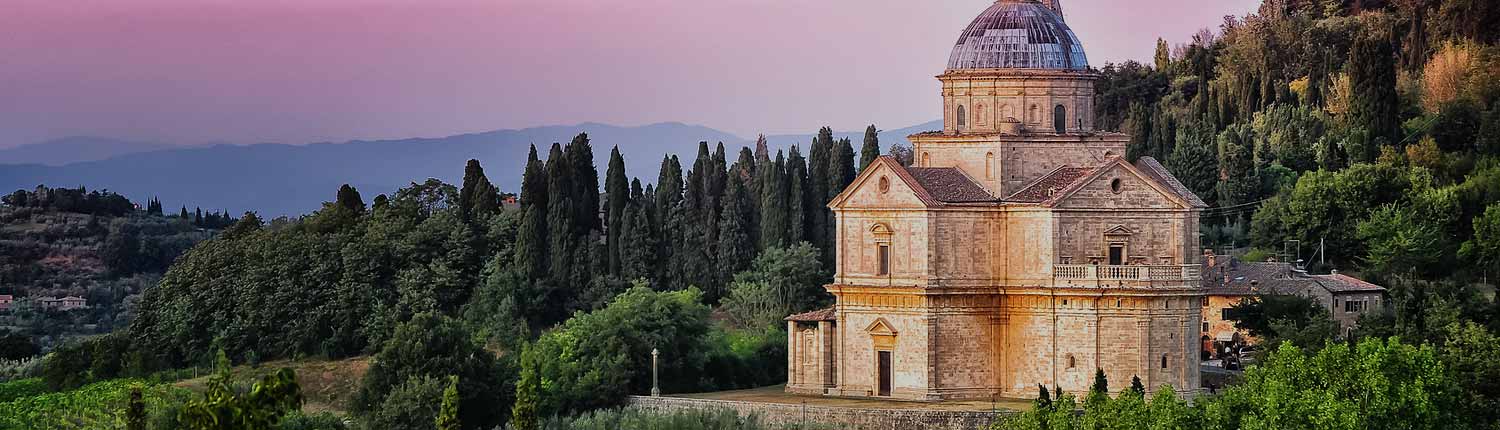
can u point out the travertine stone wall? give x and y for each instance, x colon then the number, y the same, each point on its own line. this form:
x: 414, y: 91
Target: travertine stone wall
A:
x: 1031, y: 96
x: 783, y: 414
x: 1003, y: 164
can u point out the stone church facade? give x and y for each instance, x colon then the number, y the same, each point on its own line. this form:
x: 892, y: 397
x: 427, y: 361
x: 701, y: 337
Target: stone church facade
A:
x: 1020, y: 248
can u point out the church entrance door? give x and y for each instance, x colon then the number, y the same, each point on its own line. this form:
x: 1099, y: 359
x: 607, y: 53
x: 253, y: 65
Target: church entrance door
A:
x: 885, y: 373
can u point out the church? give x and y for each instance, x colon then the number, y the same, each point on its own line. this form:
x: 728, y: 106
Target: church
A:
x: 1020, y: 247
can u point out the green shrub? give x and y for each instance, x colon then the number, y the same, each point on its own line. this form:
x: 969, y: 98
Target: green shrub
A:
x: 21, y: 388
x: 410, y: 406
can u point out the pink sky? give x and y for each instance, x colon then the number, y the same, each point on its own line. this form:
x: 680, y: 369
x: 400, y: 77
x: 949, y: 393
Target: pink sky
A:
x: 192, y: 71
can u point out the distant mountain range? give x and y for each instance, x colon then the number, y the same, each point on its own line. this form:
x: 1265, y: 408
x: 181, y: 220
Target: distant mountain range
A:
x: 67, y: 150
x: 280, y: 179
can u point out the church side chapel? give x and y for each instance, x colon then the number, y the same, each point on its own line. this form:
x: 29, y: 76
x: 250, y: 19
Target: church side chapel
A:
x: 1020, y: 248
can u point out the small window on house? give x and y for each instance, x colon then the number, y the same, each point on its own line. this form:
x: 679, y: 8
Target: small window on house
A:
x: 1164, y: 361
x: 961, y: 121
x: 1203, y: 301
x: 926, y: 159
x: 1065, y: 302
x: 1205, y: 327
x: 883, y: 253
x: 1224, y: 314
x: 1072, y: 362
x: 1115, y: 186
x: 1119, y: 303
x: 885, y: 185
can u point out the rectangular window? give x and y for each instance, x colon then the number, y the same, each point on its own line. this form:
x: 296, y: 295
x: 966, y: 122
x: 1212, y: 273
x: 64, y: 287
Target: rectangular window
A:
x: 1224, y: 314
x: 883, y: 254
x: 1205, y: 327
x: 1116, y: 255
x: 1203, y: 301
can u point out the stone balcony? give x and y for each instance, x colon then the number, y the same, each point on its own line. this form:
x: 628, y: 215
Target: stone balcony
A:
x: 1100, y: 276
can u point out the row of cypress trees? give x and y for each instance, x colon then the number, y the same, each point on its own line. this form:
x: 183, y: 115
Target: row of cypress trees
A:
x: 693, y: 229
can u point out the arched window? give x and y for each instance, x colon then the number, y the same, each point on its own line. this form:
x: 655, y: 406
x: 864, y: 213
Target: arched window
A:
x: 979, y: 115
x: 1072, y: 362
x: 961, y: 120
x: 926, y: 160
x: 989, y: 165
x: 1164, y: 361
x: 1060, y: 118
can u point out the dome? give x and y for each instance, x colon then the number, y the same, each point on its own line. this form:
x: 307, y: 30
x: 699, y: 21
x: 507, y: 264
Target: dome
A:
x: 1018, y: 34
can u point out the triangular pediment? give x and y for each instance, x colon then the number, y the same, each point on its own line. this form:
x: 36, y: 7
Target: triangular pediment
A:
x: 1118, y: 185
x: 1119, y: 230
x: 880, y: 328
x: 884, y: 184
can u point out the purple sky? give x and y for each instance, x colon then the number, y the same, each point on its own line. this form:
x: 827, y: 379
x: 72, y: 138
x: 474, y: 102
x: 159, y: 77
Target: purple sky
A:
x: 294, y: 71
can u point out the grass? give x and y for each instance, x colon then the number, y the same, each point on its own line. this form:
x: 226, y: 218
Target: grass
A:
x: 327, y: 385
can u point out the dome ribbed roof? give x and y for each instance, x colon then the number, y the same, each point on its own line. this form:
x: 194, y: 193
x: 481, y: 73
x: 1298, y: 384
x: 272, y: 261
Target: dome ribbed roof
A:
x: 1018, y: 34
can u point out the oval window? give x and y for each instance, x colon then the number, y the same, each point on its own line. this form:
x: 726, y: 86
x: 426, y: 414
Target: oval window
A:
x: 1114, y: 185
x: 885, y: 185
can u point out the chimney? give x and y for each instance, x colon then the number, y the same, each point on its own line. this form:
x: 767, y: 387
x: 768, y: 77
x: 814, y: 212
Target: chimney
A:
x: 1210, y: 258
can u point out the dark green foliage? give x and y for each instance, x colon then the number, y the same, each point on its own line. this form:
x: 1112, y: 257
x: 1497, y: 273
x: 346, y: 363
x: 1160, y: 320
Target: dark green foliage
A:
x: 73, y: 200
x: 617, y: 192
x: 608, y: 351
x: 628, y: 418
x: 1101, y: 383
x: 735, y: 248
x: 349, y: 199
x: 820, y: 220
x: 1488, y: 138
x: 412, y: 405
x: 775, y: 224
x: 1271, y: 317
x: 871, y: 148
x: 800, y: 208
x: 1372, y: 76
x: 431, y: 346
x: 15, y: 346
x: 12, y: 390
x: 1136, y: 386
x: 135, y: 411
x: 1043, y: 399
x: 478, y: 198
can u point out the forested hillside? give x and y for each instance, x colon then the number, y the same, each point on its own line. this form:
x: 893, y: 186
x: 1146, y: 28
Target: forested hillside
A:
x: 94, y: 245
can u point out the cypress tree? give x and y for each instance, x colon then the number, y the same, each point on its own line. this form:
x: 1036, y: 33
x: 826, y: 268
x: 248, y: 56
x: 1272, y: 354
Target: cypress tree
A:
x: 1043, y: 399
x: 380, y: 202
x: 585, y: 184
x: 533, y: 245
x: 773, y: 205
x: 818, y: 160
x: 714, y: 184
x: 1101, y: 383
x: 198, y: 217
x: 447, y: 417
x: 617, y: 189
x: 840, y: 175
x: 638, y: 240
x: 1136, y: 385
x: 871, y: 150
x: 668, y: 199
x: 561, y: 209
x: 1372, y: 76
x: 735, y: 248
x: 691, y: 249
x: 798, y: 210
x: 349, y: 199
x: 486, y: 201
x: 745, y: 168
x: 475, y: 188
x: 184, y: 214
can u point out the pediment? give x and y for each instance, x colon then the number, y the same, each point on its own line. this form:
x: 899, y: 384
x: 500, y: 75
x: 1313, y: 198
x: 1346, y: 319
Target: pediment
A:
x: 885, y: 184
x: 1119, y: 230
x: 1118, y: 185
x: 880, y: 328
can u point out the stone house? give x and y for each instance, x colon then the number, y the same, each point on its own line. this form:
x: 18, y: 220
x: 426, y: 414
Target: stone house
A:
x: 1345, y: 297
x: 64, y: 304
x: 1022, y: 248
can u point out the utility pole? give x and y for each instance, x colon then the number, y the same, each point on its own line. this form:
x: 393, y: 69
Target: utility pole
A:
x: 655, y: 388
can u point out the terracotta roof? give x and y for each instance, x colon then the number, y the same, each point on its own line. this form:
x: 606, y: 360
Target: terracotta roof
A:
x: 949, y: 185
x: 1235, y: 278
x: 1339, y: 283
x: 1048, y: 186
x: 815, y: 316
x: 1158, y: 172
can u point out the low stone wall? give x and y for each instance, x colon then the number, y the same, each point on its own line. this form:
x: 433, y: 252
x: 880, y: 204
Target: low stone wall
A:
x: 784, y: 414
